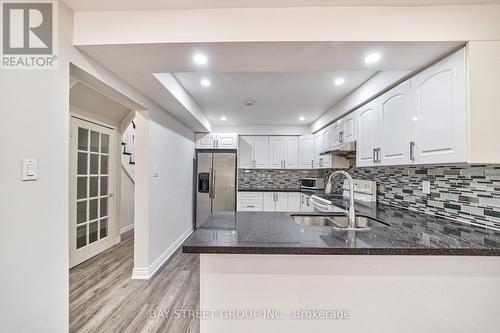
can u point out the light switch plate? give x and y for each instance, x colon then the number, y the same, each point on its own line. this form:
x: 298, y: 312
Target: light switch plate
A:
x: 156, y: 172
x: 29, y: 169
x: 426, y: 187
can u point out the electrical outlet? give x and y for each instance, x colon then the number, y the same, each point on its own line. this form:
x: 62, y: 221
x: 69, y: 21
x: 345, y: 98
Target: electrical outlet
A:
x: 426, y: 187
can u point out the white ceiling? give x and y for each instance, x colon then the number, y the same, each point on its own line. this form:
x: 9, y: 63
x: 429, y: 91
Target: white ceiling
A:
x: 106, y: 5
x: 136, y: 63
x: 96, y: 104
x: 280, y: 97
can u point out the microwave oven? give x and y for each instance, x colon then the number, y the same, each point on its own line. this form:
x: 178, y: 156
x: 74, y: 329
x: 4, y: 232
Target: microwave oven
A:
x: 312, y: 183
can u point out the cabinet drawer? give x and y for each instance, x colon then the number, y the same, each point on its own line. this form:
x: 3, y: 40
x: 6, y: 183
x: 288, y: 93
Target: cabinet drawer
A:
x: 250, y: 206
x: 250, y: 195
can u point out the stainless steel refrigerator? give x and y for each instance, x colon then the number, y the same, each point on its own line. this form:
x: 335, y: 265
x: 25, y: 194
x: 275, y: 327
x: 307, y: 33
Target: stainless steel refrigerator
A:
x: 216, y: 184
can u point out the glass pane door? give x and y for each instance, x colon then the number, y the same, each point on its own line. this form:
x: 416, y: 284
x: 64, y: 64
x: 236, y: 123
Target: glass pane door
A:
x: 92, y: 178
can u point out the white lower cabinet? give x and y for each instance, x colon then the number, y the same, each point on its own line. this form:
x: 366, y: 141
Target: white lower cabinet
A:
x: 293, y: 202
x: 275, y: 202
x: 269, y: 201
x: 250, y: 201
x: 305, y: 203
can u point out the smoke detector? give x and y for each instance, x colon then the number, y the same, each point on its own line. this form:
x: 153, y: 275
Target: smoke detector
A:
x: 249, y: 102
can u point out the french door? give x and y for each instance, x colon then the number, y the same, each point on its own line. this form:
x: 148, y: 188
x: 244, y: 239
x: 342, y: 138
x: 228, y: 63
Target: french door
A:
x: 92, y: 162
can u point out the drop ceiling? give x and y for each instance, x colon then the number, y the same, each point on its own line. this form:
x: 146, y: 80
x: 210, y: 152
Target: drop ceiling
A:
x: 287, y: 80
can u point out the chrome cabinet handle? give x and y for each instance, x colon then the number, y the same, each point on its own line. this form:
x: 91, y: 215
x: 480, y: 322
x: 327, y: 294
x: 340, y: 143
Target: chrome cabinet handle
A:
x: 374, y: 157
x: 412, y: 151
x: 302, y: 199
x: 341, y: 137
x: 312, y: 164
x: 307, y: 201
x: 284, y: 164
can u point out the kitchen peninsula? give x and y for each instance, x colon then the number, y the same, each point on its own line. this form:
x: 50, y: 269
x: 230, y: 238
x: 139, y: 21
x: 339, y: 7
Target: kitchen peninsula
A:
x: 407, y: 260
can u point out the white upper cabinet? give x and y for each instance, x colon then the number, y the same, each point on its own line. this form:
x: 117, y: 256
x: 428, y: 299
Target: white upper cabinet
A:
x: 205, y: 140
x: 366, y: 153
x: 275, y: 152
x: 440, y: 112
x: 227, y: 141
x: 283, y: 152
x: 348, y: 129
x: 246, y: 152
x: 337, y: 129
x: 394, y: 126
x: 306, y: 151
x: 261, y: 152
x: 253, y: 152
x: 421, y: 121
x: 318, y: 148
x: 291, y: 152
x: 216, y: 140
x: 326, y: 160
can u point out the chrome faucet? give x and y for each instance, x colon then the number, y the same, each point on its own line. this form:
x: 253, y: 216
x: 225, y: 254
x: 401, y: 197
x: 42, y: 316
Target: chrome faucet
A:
x: 351, y: 214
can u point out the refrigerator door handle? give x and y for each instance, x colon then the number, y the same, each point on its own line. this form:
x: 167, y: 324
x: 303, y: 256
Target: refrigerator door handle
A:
x: 210, y: 183
x: 213, y: 188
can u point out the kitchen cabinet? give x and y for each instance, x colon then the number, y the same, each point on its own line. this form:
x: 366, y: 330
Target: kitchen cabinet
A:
x: 283, y: 152
x: 305, y: 203
x: 343, y: 130
x: 275, y: 202
x: 394, y: 126
x: 326, y: 160
x: 294, y: 203
x: 439, y: 113
x: 253, y: 152
x: 366, y: 153
x: 216, y: 140
x: 250, y: 201
x: 306, y: 151
x: 420, y: 121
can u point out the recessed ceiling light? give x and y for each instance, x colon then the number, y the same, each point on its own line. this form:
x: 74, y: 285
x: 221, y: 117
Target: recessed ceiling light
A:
x: 339, y: 81
x: 205, y: 82
x: 223, y: 118
x: 249, y: 102
x: 372, y: 58
x: 200, y: 59
x: 302, y: 118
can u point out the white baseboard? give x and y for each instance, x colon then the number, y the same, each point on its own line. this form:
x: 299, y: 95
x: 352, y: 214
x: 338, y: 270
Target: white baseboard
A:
x: 127, y: 228
x: 118, y: 240
x: 147, y: 273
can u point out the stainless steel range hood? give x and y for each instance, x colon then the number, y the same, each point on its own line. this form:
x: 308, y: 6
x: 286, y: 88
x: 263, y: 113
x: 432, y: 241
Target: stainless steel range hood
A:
x: 343, y: 149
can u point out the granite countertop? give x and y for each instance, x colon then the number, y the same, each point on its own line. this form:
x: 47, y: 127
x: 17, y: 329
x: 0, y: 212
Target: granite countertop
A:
x: 308, y: 191
x: 406, y: 233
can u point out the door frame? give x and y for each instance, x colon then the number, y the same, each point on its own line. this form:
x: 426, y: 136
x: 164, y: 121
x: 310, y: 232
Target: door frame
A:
x: 78, y: 256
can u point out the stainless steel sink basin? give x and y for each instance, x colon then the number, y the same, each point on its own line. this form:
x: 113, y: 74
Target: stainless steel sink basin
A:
x: 362, y: 223
x: 313, y: 220
x: 336, y: 222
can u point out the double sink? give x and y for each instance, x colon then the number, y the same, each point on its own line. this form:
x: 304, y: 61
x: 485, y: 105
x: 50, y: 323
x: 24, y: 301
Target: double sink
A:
x: 337, y: 222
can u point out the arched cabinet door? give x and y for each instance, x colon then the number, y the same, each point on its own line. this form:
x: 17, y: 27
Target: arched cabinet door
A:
x: 394, y: 125
x: 367, y: 134
x: 440, y: 112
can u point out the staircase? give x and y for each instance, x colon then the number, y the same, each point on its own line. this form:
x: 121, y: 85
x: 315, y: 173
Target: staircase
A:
x: 128, y: 142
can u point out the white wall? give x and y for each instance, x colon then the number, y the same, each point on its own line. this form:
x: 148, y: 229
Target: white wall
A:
x: 171, y: 149
x: 426, y: 23
x: 164, y: 204
x: 392, y: 294
x: 34, y: 106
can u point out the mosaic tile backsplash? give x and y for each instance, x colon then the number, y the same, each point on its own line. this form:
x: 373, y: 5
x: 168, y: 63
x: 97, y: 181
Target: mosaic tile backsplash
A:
x: 465, y: 193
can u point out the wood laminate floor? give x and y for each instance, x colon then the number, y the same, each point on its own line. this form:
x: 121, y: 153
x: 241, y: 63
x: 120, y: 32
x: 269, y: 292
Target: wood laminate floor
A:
x: 103, y: 298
